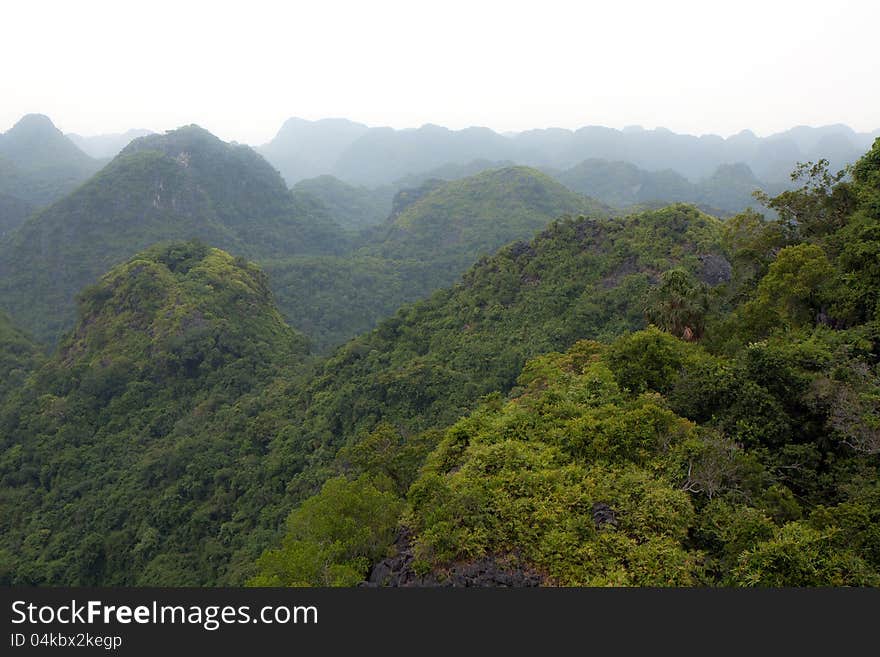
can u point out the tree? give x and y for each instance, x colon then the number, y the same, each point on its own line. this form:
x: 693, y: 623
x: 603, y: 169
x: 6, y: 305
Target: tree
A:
x: 820, y: 206
x: 796, y: 290
x: 678, y: 305
x: 335, y: 536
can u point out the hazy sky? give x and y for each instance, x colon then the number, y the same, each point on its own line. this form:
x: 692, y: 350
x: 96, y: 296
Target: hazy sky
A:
x: 240, y: 68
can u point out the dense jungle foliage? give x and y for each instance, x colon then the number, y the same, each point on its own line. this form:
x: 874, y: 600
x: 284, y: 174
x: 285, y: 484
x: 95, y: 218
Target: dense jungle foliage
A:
x: 734, y: 443
x: 109, y: 469
x: 664, y: 398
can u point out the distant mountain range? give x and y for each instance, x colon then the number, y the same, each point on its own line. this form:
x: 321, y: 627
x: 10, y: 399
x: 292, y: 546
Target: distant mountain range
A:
x: 361, y: 155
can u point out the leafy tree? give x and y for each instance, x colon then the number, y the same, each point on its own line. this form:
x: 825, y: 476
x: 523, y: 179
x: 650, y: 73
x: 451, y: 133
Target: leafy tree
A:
x: 796, y: 291
x: 678, y: 305
x: 335, y: 536
x: 798, y: 555
x: 820, y: 206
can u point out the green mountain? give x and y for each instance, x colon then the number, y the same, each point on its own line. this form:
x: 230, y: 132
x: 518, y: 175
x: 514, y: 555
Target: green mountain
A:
x: 181, y: 185
x: 378, y: 400
x: 38, y: 163
x: 579, y: 278
x: 733, y: 443
x: 178, y: 392
x: 591, y: 475
x: 659, y: 399
x: 622, y: 184
x: 351, y: 207
x: 432, y: 361
x: 111, y: 469
x: 433, y: 234
x: 458, y: 221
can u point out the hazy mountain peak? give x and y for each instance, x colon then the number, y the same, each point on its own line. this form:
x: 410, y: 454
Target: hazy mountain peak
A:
x: 296, y: 128
x: 40, y: 164
x: 35, y: 142
x: 33, y: 123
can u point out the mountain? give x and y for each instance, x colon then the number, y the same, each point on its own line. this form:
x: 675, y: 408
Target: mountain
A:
x: 453, y: 223
x: 35, y: 143
x: 38, y: 163
x: 13, y: 212
x: 357, y: 207
x: 732, y: 443
x: 141, y: 488
x: 575, y: 479
x: 307, y: 149
x: 730, y: 188
x: 432, y: 235
x: 351, y: 207
x: 621, y: 184
x: 181, y: 185
x: 376, y: 157
x: 727, y: 191
x: 659, y: 399
x: 106, y: 146
x: 383, y: 155
x: 430, y: 364
x: 578, y: 278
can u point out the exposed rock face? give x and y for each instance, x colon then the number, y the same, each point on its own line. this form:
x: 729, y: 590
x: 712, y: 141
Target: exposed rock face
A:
x: 521, y: 248
x: 604, y: 515
x: 487, y: 571
x: 716, y: 269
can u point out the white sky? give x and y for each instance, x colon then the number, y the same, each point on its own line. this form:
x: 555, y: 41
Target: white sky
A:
x: 240, y: 68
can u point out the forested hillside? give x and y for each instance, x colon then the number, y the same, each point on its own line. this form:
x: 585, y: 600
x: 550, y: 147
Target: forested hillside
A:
x: 182, y: 185
x: 19, y: 356
x: 422, y: 368
x: 433, y: 233
x: 112, y: 471
x: 336, y: 264
x: 661, y: 398
x: 13, y: 212
x: 340, y: 257
x: 353, y: 208
x: 734, y: 442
